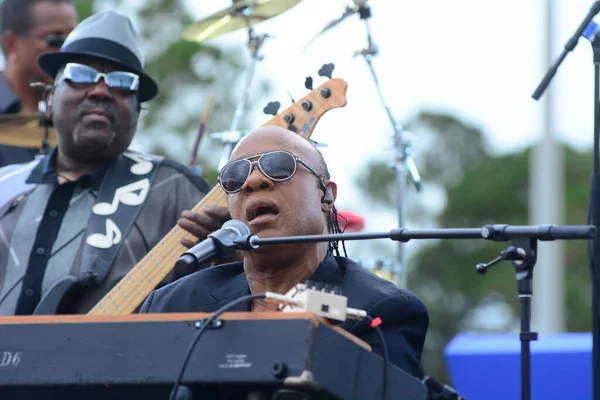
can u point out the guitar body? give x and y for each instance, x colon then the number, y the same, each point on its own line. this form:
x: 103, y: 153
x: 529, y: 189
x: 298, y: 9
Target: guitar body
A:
x: 64, y: 292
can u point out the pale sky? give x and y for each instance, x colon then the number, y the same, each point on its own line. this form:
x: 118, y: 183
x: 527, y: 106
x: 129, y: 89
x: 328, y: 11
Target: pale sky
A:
x: 480, y: 60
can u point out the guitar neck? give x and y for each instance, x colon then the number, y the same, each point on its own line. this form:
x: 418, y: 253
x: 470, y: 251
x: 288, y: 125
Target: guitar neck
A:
x: 133, y: 289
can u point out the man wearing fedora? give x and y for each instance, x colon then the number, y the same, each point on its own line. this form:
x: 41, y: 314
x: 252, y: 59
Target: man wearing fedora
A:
x: 93, y: 209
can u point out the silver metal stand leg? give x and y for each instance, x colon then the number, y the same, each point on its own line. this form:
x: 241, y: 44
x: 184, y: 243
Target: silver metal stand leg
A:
x: 403, y: 161
x: 231, y: 137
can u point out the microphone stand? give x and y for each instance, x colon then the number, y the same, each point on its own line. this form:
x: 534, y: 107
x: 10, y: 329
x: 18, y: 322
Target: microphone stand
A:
x: 594, y: 205
x: 522, y: 253
x: 496, y: 233
x: 403, y: 160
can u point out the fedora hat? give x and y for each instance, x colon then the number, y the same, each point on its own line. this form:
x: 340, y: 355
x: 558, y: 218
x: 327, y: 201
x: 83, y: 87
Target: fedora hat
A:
x: 104, y: 36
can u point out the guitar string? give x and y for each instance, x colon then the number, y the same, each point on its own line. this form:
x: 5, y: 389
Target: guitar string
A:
x: 156, y: 257
x: 152, y: 260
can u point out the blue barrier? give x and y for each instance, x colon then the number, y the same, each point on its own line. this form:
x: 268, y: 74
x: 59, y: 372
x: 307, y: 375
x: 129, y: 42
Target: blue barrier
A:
x: 488, y: 367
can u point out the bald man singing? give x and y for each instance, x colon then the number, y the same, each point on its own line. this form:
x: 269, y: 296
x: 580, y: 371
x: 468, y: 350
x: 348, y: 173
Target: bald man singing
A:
x: 278, y: 184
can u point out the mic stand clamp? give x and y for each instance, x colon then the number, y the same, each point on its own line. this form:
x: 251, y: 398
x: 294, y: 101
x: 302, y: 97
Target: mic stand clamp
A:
x: 523, y: 255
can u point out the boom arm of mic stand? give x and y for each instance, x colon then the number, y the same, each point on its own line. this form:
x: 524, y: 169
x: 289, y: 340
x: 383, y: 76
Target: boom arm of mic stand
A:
x: 569, y: 46
x: 495, y: 233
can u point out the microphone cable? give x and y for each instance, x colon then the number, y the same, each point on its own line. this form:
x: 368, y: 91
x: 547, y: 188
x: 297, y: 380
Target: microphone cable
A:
x: 207, y: 323
x: 374, y: 323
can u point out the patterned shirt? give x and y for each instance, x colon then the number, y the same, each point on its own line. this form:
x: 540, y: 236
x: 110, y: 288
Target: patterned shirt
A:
x: 42, y: 232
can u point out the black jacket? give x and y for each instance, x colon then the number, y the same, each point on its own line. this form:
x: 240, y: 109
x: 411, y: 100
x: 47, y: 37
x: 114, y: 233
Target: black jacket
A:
x: 404, y: 317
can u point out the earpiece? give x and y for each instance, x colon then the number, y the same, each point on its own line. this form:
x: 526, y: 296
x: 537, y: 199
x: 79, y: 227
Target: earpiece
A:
x: 327, y: 197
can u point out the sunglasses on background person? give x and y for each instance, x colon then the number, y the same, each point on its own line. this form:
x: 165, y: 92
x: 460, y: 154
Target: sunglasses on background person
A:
x: 278, y: 166
x: 55, y: 40
x: 79, y: 74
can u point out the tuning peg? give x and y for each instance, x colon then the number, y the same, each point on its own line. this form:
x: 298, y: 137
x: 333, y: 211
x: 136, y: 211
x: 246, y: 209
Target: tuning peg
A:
x: 272, y: 108
x: 308, y: 83
x: 326, y: 70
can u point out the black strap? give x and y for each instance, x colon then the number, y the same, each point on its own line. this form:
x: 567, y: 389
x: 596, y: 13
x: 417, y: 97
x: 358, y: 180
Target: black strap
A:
x: 31, y: 289
x: 97, y: 261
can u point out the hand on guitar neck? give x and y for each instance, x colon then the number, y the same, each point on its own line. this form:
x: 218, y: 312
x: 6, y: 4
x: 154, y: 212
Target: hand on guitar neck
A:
x: 202, y: 224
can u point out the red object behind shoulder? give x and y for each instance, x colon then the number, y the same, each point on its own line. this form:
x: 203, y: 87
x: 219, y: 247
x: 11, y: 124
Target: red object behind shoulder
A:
x: 355, y: 223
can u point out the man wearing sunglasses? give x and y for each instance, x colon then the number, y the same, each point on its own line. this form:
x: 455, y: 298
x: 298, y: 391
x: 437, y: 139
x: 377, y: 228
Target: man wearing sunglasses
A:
x: 95, y: 208
x: 29, y: 28
x: 278, y: 185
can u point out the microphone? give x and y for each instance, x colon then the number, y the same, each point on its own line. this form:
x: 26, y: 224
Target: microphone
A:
x: 218, y: 244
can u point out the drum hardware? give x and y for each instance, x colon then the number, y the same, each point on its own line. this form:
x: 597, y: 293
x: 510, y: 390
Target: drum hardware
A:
x: 403, y: 152
x: 242, y: 14
x: 350, y: 9
x: 23, y: 130
x: 203, y: 121
x: 45, y: 122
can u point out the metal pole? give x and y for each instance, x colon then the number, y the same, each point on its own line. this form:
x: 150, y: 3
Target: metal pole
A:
x: 233, y: 136
x: 546, y: 205
x: 403, y: 161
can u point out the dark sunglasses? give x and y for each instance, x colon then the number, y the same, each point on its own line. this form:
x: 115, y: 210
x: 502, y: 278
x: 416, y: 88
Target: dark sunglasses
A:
x: 278, y: 166
x: 55, y: 40
x: 80, y: 74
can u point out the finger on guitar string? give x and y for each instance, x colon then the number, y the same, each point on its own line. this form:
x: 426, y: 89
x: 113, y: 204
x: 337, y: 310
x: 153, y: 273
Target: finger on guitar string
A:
x: 204, y: 220
x: 196, y: 229
x: 187, y: 243
x: 220, y: 214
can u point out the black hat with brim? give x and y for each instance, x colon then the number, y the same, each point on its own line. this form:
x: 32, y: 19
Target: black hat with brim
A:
x: 106, y: 36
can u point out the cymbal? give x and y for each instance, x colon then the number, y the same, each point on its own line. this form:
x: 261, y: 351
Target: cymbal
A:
x: 23, y: 130
x: 236, y: 16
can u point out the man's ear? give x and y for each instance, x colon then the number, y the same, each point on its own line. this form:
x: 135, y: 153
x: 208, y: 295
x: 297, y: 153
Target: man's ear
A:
x: 9, y: 44
x: 329, y: 196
